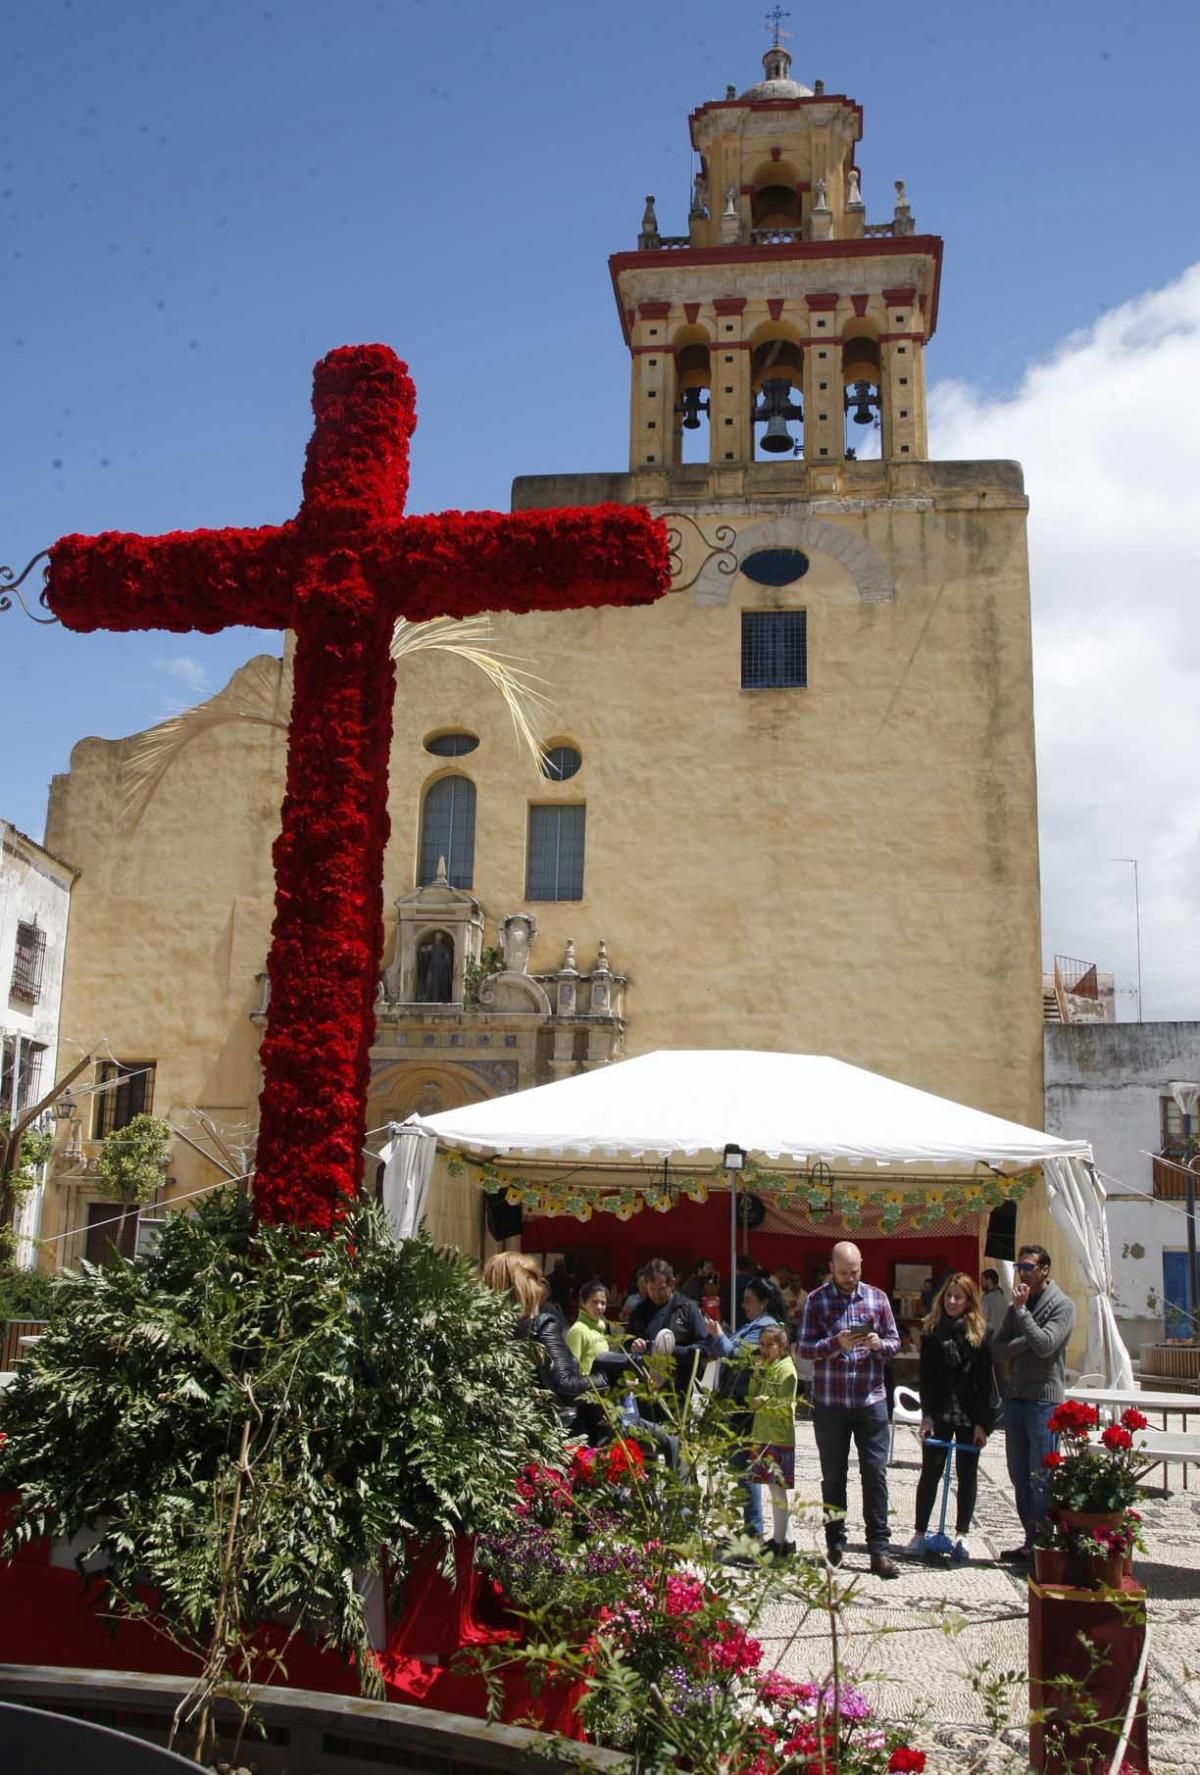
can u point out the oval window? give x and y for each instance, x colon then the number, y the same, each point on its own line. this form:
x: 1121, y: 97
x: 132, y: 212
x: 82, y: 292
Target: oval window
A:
x: 451, y: 745
x: 775, y: 567
x: 560, y: 762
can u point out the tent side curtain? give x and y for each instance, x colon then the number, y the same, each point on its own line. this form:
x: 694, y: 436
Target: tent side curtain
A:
x: 1077, y: 1200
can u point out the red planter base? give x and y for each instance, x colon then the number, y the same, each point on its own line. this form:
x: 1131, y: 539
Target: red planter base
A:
x: 49, y: 1615
x: 1072, y: 1740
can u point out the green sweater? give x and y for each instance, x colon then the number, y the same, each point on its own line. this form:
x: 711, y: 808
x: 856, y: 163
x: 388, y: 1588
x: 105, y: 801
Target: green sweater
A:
x: 587, y: 1339
x: 772, y: 1399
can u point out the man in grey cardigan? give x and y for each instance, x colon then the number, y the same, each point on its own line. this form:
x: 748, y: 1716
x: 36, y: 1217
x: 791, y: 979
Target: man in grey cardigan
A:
x: 1033, y: 1340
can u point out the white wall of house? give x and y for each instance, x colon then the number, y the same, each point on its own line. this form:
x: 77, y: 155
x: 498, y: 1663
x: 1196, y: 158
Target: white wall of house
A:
x: 1105, y: 1083
x: 35, y: 891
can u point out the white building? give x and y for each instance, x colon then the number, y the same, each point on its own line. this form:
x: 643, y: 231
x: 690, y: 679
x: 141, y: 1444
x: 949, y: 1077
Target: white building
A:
x: 1111, y: 1083
x: 35, y: 900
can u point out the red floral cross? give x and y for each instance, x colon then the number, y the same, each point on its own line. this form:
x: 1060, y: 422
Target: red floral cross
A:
x: 339, y: 574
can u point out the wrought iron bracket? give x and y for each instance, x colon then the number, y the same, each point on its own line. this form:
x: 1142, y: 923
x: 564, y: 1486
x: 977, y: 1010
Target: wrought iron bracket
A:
x: 10, y: 583
x: 718, y: 548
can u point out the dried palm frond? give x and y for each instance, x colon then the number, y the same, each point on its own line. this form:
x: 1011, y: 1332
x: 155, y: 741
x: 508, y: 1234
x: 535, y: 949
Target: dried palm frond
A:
x: 467, y: 639
x: 260, y: 692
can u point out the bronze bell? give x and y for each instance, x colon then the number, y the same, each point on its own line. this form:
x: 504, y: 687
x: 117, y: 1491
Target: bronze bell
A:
x: 862, y: 399
x: 693, y: 406
x: 777, y: 408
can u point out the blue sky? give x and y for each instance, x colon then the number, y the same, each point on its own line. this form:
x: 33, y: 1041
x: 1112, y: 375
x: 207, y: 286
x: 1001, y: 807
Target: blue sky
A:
x: 196, y: 203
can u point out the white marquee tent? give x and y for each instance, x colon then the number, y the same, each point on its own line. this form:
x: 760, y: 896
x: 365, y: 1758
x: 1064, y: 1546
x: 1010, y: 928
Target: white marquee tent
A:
x: 791, y: 1108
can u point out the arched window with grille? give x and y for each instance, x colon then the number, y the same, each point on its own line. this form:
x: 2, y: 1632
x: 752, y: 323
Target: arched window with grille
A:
x: 448, y: 830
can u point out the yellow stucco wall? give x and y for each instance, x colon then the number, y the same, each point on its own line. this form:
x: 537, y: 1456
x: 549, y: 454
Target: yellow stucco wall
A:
x: 848, y: 869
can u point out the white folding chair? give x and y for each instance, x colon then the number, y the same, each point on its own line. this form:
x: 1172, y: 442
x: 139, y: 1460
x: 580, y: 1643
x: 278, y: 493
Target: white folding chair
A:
x: 906, y: 1409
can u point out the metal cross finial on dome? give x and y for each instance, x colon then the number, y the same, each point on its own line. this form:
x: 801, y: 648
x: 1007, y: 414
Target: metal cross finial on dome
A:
x: 775, y: 20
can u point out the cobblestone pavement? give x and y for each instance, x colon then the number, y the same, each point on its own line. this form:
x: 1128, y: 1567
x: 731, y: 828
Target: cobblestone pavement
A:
x: 919, y: 1639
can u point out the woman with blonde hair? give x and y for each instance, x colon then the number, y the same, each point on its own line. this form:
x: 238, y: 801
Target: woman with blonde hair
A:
x: 956, y: 1402
x: 516, y: 1275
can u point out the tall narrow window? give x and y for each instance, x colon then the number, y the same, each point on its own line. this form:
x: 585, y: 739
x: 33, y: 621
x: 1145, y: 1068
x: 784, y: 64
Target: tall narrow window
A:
x: 555, y: 859
x: 20, y: 1073
x: 774, y: 649
x: 27, y: 964
x: 124, y: 1089
x: 448, y: 830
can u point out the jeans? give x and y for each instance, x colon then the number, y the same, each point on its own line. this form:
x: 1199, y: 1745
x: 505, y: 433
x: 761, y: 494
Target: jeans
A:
x: 752, y: 1510
x: 933, y: 1466
x: 1026, y: 1442
x: 836, y: 1427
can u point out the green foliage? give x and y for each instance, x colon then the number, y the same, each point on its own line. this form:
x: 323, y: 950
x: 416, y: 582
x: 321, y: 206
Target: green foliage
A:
x: 36, y: 1147
x: 247, y: 1417
x: 131, y: 1161
x: 477, y: 973
x: 26, y: 1294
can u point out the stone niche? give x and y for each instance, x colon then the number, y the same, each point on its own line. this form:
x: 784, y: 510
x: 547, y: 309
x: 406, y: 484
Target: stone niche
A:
x: 447, y: 1033
x: 439, y: 930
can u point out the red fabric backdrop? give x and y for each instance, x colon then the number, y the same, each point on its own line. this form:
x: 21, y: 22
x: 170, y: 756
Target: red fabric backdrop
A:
x: 612, y: 1249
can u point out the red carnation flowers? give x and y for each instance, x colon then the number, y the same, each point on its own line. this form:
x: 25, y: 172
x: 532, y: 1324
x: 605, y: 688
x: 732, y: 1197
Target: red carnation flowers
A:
x: 339, y: 574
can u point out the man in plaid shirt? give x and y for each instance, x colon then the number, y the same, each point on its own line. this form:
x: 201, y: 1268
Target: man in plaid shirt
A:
x: 846, y: 1332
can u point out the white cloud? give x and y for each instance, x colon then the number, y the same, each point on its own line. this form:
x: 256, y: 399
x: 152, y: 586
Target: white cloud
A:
x: 188, y: 671
x: 1108, y: 431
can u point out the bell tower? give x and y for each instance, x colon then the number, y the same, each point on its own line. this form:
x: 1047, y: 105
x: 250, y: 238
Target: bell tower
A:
x: 782, y: 320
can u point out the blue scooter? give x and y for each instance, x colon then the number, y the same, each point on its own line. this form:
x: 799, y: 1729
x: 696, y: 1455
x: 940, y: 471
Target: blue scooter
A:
x: 940, y: 1546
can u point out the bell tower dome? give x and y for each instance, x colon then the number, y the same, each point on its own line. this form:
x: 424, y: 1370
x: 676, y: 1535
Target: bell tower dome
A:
x: 783, y: 320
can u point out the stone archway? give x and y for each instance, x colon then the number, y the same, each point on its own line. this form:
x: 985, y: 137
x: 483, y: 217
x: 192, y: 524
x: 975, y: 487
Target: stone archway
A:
x: 865, y: 565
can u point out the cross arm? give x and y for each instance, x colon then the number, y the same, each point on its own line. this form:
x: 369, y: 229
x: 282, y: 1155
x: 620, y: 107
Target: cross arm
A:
x: 196, y: 579
x: 461, y: 563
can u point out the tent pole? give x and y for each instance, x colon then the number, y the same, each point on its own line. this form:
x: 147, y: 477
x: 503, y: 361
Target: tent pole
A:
x: 733, y: 1177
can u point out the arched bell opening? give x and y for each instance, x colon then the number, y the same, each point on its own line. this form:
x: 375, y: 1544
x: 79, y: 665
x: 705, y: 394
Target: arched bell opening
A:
x: 693, y: 379
x: 776, y: 381
x: 861, y: 382
x: 776, y: 206
x: 435, y: 969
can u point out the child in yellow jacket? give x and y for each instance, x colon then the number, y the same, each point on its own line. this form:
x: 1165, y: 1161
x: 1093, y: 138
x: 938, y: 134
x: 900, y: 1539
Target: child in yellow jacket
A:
x: 772, y: 1398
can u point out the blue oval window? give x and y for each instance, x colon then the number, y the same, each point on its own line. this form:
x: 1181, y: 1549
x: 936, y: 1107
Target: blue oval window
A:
x: 451, y: 745
x: 775, y: 567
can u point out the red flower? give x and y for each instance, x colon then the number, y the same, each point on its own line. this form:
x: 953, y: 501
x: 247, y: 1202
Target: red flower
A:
x: 583, y: 1467
x: 1052, y: 1460
x: 1134, y: 1419
x: 624, y: 1458
x: 1115, y: 1439
x: 904, y: 1761
x: 1072, y: 1418
x: 735, y: 1651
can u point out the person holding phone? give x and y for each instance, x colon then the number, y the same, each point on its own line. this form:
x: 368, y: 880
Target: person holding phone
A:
x: 846, y: 1331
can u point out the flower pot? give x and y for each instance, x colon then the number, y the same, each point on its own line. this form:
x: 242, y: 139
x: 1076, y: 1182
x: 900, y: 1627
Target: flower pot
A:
x: 1106, y: 1572
x: 1050, y: 1565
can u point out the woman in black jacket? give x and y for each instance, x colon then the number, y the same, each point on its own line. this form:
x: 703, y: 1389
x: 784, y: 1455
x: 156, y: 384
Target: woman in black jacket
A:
x: 956, y: 1402
x: 517, y: 1276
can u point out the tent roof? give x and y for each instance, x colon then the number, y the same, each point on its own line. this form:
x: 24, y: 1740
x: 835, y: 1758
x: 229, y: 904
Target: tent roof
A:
x: 798, y: 1107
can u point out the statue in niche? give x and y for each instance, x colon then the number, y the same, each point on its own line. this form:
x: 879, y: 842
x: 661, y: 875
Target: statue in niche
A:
x: 731, y: 197
x: 699, y: 195
x: 435, y: 970
x: 822, y: 195
x: 854, y: 189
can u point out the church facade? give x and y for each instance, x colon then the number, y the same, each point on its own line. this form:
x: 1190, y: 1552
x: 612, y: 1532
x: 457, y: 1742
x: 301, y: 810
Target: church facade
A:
x: 791, y: 806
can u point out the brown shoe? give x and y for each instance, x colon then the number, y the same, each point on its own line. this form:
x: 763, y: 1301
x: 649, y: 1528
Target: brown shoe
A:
x: 884, y: 1566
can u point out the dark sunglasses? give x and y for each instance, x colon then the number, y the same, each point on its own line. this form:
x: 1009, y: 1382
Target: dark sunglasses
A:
x: 1025, y: 1267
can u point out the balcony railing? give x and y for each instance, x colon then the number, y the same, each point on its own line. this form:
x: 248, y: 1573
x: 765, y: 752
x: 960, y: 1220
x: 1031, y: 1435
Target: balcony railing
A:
x: 1169, y: 1170
x: 878, y: 230
x: 775, y: 237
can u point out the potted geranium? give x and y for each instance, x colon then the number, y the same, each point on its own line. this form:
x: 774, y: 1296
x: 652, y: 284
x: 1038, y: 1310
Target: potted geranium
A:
x: 1093, y: 1479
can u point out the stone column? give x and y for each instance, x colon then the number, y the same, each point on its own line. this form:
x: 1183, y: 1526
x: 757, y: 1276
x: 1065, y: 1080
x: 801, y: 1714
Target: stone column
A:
x: 652, y: 424
x: 824, y: 425
x: 730, y: 430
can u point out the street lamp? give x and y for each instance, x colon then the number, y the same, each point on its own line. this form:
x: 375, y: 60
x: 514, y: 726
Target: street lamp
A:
x: 64, y: 1108
x: 733, y: 1159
